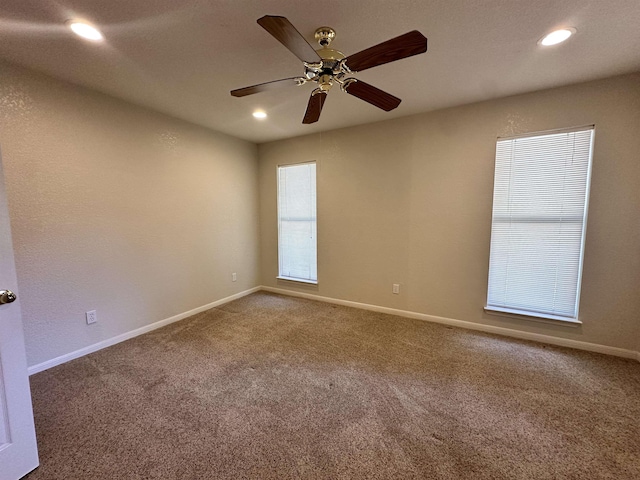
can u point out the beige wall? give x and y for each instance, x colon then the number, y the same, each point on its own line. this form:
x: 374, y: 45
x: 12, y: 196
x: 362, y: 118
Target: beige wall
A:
x: 118, y: 209
x: 409, y: 201
x: 141, y: 216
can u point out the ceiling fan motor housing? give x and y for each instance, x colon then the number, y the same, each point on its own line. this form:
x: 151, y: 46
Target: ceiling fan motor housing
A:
x: 330, y: 66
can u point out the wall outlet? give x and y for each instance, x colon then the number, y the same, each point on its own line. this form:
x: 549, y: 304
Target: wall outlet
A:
x: 92, y: 317
x: 234, y: 277
x: 396, y: 288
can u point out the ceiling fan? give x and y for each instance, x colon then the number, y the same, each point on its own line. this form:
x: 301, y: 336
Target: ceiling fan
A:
x: 327, y: 66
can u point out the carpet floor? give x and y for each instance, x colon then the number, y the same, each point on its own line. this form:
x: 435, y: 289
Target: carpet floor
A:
x: 270, y: 387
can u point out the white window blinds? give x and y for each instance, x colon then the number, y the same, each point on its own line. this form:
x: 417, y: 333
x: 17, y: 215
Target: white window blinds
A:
x: 540, y: 201
x: 297, y: 229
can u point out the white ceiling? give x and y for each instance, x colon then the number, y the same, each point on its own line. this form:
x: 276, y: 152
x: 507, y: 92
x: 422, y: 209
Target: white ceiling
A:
x: 182, y: 57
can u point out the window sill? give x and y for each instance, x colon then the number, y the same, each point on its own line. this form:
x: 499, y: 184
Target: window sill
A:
x: 298, y: 280
x: 541, y: 317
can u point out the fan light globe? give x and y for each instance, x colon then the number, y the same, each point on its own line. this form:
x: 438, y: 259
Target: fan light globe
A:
x: 85, y: 30
x: 557, y: 36
x: 259, y: 114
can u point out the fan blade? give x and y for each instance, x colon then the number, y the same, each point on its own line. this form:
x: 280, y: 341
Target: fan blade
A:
x: 372, y: 95
x: 283, y: 31
x: 314, y: 107
x: 407, y: 45
x: 261, y: 87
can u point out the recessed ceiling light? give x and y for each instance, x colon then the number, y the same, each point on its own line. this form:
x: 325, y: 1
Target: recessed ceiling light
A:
x: 557, y: 36
x: 260, y: 114
x: 85, y: 30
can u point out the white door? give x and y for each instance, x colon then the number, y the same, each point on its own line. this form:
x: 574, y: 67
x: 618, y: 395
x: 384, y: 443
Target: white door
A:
x: 18, y: 450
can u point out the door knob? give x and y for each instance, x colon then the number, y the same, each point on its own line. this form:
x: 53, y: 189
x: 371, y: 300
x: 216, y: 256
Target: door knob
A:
x: 7, y: 296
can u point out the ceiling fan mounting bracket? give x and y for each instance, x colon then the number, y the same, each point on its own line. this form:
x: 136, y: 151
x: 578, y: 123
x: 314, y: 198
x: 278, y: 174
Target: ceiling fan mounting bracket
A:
x: 325, y: 35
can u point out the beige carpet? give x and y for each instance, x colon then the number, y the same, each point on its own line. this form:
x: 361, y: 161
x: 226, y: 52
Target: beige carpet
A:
x: 277, y: 387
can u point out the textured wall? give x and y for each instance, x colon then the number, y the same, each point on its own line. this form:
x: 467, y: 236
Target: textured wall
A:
x: 118, y: 209
x: 409, y: 201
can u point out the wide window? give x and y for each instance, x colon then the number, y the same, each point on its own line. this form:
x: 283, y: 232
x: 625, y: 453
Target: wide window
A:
x: 540, y: 199
x: 297, y: 226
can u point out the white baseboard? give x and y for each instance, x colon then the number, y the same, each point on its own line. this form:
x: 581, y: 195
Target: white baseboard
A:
x: 563, y: 342
x: 134, y: 333
x: 508, y: 332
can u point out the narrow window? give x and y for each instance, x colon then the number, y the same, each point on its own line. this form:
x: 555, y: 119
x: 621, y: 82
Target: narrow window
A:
x: 540, y: 200
x: 297, y: 228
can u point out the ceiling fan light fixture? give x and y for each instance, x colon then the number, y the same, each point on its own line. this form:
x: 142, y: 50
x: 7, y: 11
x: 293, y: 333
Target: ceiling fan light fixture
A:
x: 557, y: 36
x: 85, y: 30
x: 259, y: 114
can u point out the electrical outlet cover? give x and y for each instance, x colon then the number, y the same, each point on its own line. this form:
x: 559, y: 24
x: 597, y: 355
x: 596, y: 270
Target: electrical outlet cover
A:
x: 92, y: 317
